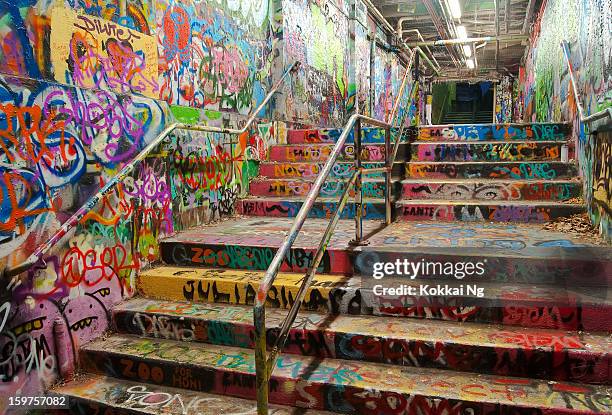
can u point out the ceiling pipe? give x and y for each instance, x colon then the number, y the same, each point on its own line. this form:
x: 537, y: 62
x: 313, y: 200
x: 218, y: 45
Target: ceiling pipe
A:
x: 496, y: 35
x: 440, y: 28
x: 528, y: 14
x: 507, y: 15
x: 502, y: 38
x: 401, y: 31
x: 378, y: 15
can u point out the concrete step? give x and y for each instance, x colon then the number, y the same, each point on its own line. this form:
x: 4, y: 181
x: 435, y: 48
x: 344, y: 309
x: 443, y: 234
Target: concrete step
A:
x: 372, y: 188
x: 492, y: 170
x: 310, y: 170
x: 525, y: 305
x: 495, y: 211
x: 369, y: 135
x: 485, y: 151
x: 514, y: 253
x: 490, y: 189
x: 508, y: 351
x: 250, y: 243
x: 321, y: 152
x: 288, y: 207
x: 331, y: 384
x: 495, y: 132
x: 98, y: 394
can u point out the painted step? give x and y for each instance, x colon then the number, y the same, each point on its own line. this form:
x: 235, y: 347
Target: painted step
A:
x: 477, y: 348
x: 251, y: 243
x: 333, y: 294
x: 335, y: 385
x: 288, y: 207
x: 369, y: 135
x: 492, y: 189
x: 93, y: 394
x: 527, y: 170
x: 525, y: 305
x: 310, y: 170
x: 495, y: 211
x: 485, y: 151
x: 321, y: 152
x: 495, y: 132
x: 331, y: 188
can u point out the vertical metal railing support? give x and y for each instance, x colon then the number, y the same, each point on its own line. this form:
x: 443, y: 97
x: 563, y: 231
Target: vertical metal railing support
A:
x: 262, y: 371
x: 264, y: 367
x: 389, y: 165
x: 358, y: 187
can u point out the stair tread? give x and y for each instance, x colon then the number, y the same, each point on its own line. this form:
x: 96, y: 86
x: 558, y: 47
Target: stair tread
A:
x: 576, y: 180
x: 313, y: 178
x: 501, y: 390
x: 482, y: 143
x: 400, y: 234
x: 489, y: 202
x: 489, y: 162
x: 303, y: 198
x: 517, y: 293
x: 153, y: 399
x: 271, y: 232
x: 474, y: 334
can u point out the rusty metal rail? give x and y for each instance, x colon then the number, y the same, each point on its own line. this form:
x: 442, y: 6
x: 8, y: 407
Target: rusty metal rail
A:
x: 264, y: 365
x: 69, y: 224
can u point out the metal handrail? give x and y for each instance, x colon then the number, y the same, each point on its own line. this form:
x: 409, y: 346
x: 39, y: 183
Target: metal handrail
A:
x: 265, y: 365
x: 396, y: 104
x: 583, y: 119
x: 37, y: 255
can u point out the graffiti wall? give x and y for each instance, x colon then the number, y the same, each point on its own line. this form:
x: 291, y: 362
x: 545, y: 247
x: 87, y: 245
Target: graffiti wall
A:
x: 215, y: 54
x: 84, y: 87
x: 547, y: 93
x: 503, y: 101
x: 316, y: 34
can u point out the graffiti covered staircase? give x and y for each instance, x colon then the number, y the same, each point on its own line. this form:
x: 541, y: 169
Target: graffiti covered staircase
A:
x: 534, y: 344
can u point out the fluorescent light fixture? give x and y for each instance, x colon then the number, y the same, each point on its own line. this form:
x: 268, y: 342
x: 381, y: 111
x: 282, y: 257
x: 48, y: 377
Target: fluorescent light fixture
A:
x: 467, y: 49
x: 470, y: 63
x: 461, y: 32
x: 455, y: 8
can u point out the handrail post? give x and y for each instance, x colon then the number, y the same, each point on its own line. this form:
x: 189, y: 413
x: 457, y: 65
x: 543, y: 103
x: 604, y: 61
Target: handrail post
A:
x: 261, y: 366
x: 388, y: 162
x: 358, y: 187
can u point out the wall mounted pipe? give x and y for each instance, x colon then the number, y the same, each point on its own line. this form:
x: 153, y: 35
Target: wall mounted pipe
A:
x: 401, y: 31
x: 502, y: 38
x: 378, y: 15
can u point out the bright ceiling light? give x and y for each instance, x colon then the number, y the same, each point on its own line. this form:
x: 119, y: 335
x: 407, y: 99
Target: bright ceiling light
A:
x: 470, y: 63
x: 461, y: 32
x: 467, y: 49
x: 455, y: 8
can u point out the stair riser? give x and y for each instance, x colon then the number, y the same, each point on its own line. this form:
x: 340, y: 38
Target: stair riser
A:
x: 524, y: 171
x: 341, y: 170
x: 289, y: 209
x: 320, y: 153
x: 252, y: 257
x: 276, y: 188
x: 327, y: 298
x: 493, y: 132
x: 330, y: 136
x: 233, y: 375
x: 535, y: 355
x: 492, y: 191
x: 485, y: 152
x: 507, y: 213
